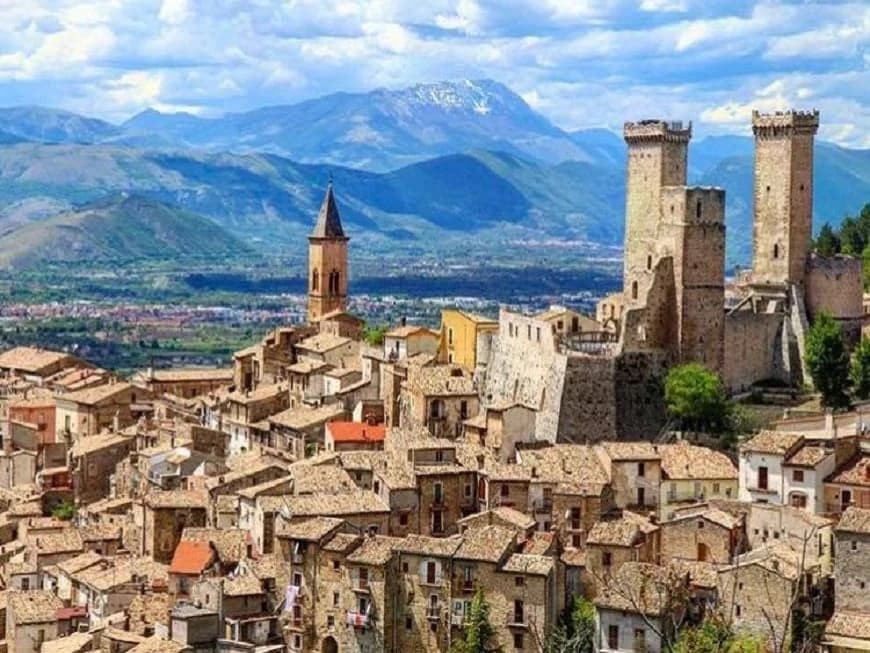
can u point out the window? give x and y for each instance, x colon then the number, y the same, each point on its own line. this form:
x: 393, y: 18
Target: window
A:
x: 437, y: 521
x: 854, y: 546
x: 519, y: 581
x: 335, y: 597
x: 518, y: 641
x: 639, y: 640
x: 575, y: 324
x: 538, y: 334
x: 762, y: 478
x: 698, y: 209
x: 409, y: 622
x: 575, y: 518
x: 463, y: 409
x: 25, y: 583
x: 641, y: 469
x: 439, y: 493
x: 376, y: 486
x: 315, y: 282
x: 505, y: 490
x: 576, y: 540
x: 363, y: 578
x: 450, y: 336
x: 736, y: 610
x: 519, y: 612
x: 634, y: 289
x: 775, y: 249
x: 798, y: 476
x: 330, y: 621
x: 700, y: 523
x: 430, y: 572
x: 649, y: 262
x: 297, y: 579
x: 613, y: 637
x: 466, y: 491
x: 641, y: 496
x: 529, y: 331
x: 336, y: 565
x: 404, y: 567
x: 606, y: 559
x: 297, y: 642
x: 403, y: 519
x: 715, y: 488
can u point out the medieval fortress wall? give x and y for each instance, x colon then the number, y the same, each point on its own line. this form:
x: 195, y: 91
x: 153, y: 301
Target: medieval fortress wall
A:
x: 674, y: 292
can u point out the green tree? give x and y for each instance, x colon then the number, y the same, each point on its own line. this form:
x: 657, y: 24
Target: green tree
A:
x: 865, y: 258
x: 714, y: 635
x: 695, y: 398
x: 478, y: 635
x: 374, y: 335
x: 860, y: 371
x: 828, y: 361
x: 852, y: 239
x: 64, y: 511
x: 827, y: 242
x: 575, y: 630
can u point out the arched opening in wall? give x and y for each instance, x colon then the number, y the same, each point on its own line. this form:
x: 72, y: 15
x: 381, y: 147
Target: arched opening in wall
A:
x: 776, y: 251
x: 315, y: 281
x: 797, y: 500
x: 634, y: 289
x: 649, y: 262
x: 329, y: 645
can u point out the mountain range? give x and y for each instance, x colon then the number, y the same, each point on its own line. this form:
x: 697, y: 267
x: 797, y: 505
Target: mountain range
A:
x: 428, y: 164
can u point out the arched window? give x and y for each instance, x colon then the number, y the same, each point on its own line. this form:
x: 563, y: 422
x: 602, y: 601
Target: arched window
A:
x: 315, y: 280
x: 634, y: 289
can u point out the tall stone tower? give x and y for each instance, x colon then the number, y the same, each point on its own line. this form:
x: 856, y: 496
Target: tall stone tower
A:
x: 657, y: 153
x: 327, y: 261
x: 783, y: 221
x: 694, y: 220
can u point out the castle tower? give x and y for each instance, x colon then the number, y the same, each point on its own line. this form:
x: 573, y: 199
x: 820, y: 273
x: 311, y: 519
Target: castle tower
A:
x: 327, y: 261
x: 657, y: 153
x: 695, y: 223
x: 783, y: 221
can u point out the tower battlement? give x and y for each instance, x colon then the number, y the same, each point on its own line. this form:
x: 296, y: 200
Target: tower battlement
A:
x: 784, y: 123
x: 651, y: 131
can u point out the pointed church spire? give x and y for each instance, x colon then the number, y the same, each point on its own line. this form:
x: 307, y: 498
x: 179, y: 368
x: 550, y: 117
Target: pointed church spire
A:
x: 328, y: 220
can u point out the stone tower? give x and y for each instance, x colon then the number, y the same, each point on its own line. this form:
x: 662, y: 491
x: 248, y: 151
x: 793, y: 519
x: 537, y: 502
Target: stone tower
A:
x: 695, y: 220
x: 783, y: 221
x: 657, y: 153
x: 327, y: 262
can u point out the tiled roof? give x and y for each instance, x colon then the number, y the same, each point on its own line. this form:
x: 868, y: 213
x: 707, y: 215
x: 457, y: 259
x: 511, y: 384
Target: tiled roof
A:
x: 177, y: 499
x: 266, y: 487
x: 620, y: 532
x: 637, y: 587
x: 96, y: 394
x: 302, y: 417
x: 360, y: 460
x: 321, y: 478
x: 30, y: 359
x: 424, y: 545
x: 631, y: 450
x: 193, y: 374
x: 375, y: 551
x: 310, y: 530
x: 855, y: 520
x: 261, y: 393
x: 322, y: 342
x: 94, y: 443
x: 523, y: 563
x: 574, y: 557
x: 503, y: 514
x: 856, y: 471
x: 539, y: 543
x: 72, y: 643
x: 701, y: 574
x: 231, y: 544
x: 711, y: 514
x: 329, y: 505
x: 356, y: 432
x: 66, y: 541
x: 242, y: 586
x: 849, y: 624
x: 341, y: 542
x: 688, y: 461
x: 33, y: 606
x: 808, y: 456
x: 308, y: 366
x: 772, y: 442
x: 80, y: 562
x: 157, y: 645
x: 560, y: 463
x: 486, y: 543
x: 191, y: 558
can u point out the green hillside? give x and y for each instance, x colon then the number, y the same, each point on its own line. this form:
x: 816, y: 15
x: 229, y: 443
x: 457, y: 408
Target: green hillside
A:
x: 115, y: 230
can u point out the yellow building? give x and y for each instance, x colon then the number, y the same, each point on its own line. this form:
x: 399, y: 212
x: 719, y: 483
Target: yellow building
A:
x: 466, y: 339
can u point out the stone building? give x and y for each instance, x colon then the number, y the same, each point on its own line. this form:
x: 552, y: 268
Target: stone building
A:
x: 92, y: 410
x: 35, y: 364
x: 92, y: 463
x: 327, y: 261
x: 438, y: 398
x: 31, y: 619
x: 466, y: 339
x: 693, y: 474
x: 847, y: 630
x: 183, y: 383
x: 162, y: 517
x: 704, y: 534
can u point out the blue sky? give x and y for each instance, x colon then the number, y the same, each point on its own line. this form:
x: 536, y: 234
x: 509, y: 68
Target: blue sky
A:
x: 582, y: 63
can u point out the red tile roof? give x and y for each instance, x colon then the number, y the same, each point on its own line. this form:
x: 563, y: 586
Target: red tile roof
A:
x: 356, y: 432
x: 191, y: 557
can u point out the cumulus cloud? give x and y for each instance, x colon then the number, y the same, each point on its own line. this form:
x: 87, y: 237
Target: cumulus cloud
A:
x: 582, y: 63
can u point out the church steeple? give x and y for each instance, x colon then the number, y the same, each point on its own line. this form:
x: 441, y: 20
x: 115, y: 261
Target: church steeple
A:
x: 327, y: 261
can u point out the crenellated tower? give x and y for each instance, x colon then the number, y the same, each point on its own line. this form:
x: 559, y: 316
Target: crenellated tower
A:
x: 783, y: 221
x: 657, y: 156
x: 327, y: 261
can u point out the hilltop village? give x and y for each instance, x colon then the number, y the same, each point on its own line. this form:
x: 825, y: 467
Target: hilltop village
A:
x: 326, y: 494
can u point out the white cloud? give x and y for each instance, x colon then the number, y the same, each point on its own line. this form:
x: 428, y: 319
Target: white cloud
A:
x: 174, y: 12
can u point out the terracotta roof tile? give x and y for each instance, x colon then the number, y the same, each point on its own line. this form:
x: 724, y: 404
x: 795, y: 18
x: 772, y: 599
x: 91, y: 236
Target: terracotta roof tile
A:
x: 772, y: 442
x: 358, y: 432
x: 191, y: 558
x: 688, y: 461
x: 855, y: 520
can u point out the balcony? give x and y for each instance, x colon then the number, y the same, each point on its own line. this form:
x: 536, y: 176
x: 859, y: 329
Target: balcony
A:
x: 516, y: 620
x: 358, y: 620
x: 457, y: 620
x: 361, y: 585
x: 468, y: 585
x: 296, y: 558
x: 433, y: 613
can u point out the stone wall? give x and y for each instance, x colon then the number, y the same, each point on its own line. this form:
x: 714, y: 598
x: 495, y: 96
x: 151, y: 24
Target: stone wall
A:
x: 852, y: 571
x: 835, y: 285
x: 752, y: 348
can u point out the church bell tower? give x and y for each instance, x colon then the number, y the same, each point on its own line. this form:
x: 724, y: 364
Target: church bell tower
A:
x: 327, y: 262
